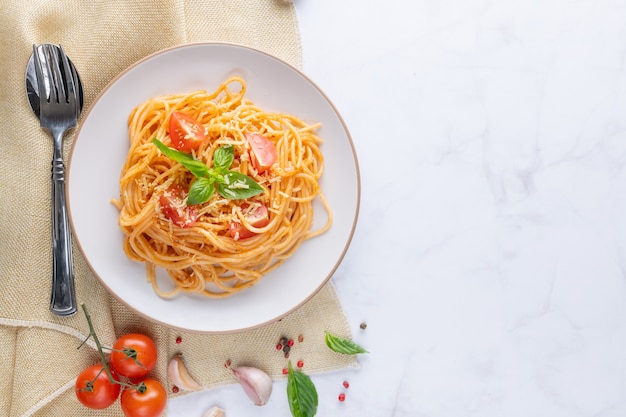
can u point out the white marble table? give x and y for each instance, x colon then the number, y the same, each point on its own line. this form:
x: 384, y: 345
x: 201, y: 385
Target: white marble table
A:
x: 489, y: 260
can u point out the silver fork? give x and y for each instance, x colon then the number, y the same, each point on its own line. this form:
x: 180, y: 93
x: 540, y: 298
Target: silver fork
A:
x: 59, y: 110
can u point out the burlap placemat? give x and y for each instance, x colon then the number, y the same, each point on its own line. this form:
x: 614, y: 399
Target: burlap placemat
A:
x: 40, y: 359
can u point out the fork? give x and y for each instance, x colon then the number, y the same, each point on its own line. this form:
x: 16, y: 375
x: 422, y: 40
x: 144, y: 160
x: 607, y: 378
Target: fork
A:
x: 59, y: 109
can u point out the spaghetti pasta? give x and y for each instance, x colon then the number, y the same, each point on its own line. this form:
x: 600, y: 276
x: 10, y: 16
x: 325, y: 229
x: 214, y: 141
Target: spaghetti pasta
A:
x: 204, y: 256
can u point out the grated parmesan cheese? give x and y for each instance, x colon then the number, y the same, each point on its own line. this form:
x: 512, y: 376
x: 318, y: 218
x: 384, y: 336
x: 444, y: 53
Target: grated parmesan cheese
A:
x: 240, y: 185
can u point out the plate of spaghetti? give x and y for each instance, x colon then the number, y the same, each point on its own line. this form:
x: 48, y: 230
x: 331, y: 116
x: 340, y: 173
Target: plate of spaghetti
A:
x: 213, y: 188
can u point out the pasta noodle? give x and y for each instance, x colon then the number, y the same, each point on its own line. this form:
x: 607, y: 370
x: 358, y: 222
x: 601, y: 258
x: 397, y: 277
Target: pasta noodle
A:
x: 205, y: 257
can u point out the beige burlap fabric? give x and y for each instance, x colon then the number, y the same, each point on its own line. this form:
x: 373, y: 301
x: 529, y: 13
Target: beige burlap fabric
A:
x: 40, y: 359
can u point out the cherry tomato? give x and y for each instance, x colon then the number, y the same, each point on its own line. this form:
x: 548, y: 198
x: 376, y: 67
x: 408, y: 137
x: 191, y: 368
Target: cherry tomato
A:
x: 173, y: 205
x: 93, y: 388
x: 257, y: 217
x: 262, y: 151
x: 149, y: 403
x: 186, y: 133
x: 133, y: 355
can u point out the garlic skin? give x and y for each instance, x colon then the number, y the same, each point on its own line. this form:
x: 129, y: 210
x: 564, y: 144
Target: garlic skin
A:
x: 214, y: 412
x: 256, y: 384
x: 179, y: 376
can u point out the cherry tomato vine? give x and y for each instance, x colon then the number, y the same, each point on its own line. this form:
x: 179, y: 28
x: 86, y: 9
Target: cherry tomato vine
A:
x: 105, y: 365
x: 132, y: 356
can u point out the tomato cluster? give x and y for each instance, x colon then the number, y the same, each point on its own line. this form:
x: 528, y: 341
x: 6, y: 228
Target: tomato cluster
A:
x: 132, y: 358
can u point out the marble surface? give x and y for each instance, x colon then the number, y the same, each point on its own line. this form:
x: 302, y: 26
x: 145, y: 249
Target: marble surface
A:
x: 489, y: 261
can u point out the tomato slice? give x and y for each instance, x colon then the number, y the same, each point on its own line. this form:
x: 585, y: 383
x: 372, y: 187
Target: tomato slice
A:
x: 186, y: 133
x: 257, y: 217
x: 173, y: 206
x: 262, y: 151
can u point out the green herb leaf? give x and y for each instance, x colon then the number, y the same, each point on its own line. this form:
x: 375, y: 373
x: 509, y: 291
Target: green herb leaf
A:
x: 200, y: 191
x: 301, y: 394
x: 196, y: 167
x: 230, y: 184
x: 342, y: 345
x: 237, y: 186
x: 223, y: 158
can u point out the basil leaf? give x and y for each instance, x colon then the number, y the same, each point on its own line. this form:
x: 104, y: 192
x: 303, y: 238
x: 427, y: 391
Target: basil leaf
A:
x: 223, y: 158
x: 196, y: 167
x: 230, y: 184
x: 237, y: 186
x: 301, y: 394
x: 342, y: 345
x: 200, y: 191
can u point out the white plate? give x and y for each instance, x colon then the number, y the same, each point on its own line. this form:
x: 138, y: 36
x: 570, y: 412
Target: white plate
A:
x: 100, y: 148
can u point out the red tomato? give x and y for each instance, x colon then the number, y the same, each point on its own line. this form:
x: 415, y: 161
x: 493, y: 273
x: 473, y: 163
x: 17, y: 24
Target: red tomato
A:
x: 262, y: 151
x: 173, y: 205
x: 133, y: 355
x: 149, y: 403
x: 186, y: 133
x: 93, y: 388
x: 258, y: 217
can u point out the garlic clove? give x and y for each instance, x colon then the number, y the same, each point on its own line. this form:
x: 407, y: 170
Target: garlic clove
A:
x: 214, y: 412
x: 256, y: 384
x: 179, y: 376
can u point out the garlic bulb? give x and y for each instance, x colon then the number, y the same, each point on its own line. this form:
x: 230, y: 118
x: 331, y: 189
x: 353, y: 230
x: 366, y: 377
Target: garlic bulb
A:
x: 256, y: 384
x: 179, y: 376
x: 214, y: 412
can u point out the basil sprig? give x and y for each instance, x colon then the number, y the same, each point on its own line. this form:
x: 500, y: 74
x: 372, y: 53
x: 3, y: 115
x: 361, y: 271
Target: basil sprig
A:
x: 342, y: 345
x: 231, y: 185
x: 301, y: 394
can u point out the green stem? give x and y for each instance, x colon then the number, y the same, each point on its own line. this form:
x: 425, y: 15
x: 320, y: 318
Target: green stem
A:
x: 103, y: 360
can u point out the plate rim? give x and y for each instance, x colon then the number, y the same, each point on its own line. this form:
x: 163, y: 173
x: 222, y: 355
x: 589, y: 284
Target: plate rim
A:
x: 300, y: 73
